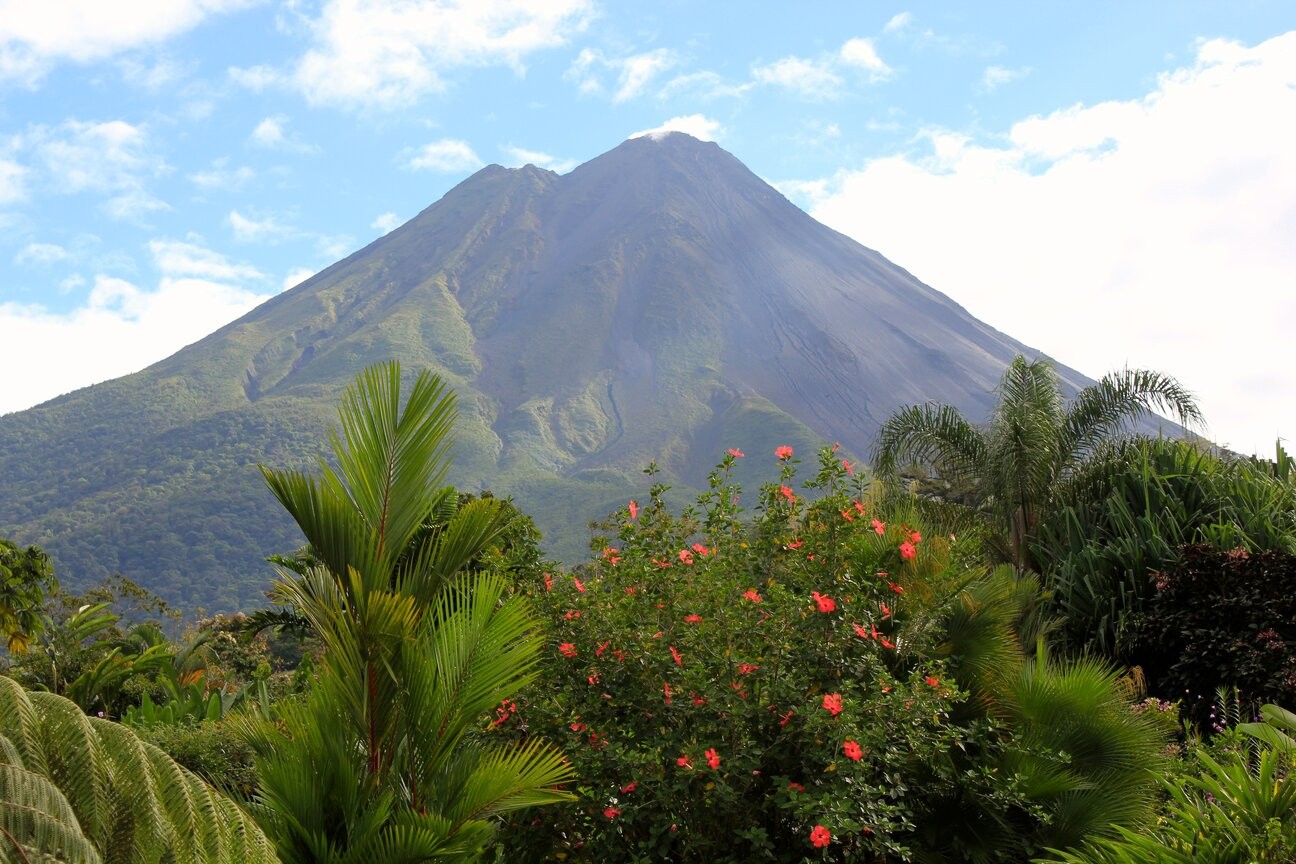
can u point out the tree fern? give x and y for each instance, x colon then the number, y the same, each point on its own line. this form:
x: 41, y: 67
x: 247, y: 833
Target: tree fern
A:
x: 81, y: 789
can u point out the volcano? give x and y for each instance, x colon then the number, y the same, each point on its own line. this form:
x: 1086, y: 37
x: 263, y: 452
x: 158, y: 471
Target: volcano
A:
x: 658, y: 304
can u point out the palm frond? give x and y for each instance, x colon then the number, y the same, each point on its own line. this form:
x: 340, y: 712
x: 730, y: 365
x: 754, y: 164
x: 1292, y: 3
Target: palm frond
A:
x: 930, y: 434
x: 1117, y: 402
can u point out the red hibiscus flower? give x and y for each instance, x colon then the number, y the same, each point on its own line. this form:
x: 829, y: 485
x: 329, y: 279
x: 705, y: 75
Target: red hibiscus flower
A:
x: 713, y: 758
x: 795, y: 786
x: 849, y: 469
x: 676, y: 655
x: 747, y: 668
x: 634, y: 509
x: 684, y: 762
x: 786, y: 492
x: 750, y: 594
x: 629, y: 787
x: 931, y: 682
x: 820, y: 836
x: 579, y: 587
x: 686, y: 556
x: 548, y: 582
x: 832, y: 703
x: 693, y: 619
x: 826, y: 604
x: 907, y: 550
x: 567, y: 649
x: 735, y: 452
x: 852, y: 751
x: 611, y: 812
x: 879, y: 526
x: 783, y: 452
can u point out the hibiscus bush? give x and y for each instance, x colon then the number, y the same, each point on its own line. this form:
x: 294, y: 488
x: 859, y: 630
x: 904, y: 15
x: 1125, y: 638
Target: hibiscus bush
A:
x: 767, y: 689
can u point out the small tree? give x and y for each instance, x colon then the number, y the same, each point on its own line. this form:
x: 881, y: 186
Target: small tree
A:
x: 26, y: 578
x: 380, y: 762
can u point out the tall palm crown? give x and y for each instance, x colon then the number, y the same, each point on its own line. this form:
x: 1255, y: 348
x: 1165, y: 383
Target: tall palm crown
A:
x: 1019, y: 460
x: 385, y: 761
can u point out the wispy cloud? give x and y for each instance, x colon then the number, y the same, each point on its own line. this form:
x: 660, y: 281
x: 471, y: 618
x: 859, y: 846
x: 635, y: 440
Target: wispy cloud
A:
x: 122, y: 325
x: 267, y: 229
x: 997, y: 76
x: 449, y: 155
x: 518, y: 156
x: 374, y: 53
x: 697, y: 125
x: 272, y: 134
x: 386, y: 223
x: 632, y: 73
x: 35, y: 37
x: 823, y: 77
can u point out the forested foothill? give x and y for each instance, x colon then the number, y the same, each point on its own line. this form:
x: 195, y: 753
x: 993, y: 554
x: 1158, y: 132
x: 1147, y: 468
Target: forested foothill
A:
x: 1039, y: 638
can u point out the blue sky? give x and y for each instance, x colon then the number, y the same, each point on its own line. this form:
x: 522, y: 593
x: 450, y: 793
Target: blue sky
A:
x: 1110, y: 182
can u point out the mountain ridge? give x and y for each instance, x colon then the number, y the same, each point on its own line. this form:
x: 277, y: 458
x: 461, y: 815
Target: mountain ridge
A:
x: 655, y: 304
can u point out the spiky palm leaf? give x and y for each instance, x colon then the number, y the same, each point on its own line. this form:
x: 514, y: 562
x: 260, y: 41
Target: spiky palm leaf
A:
x: 76, y: 788
x: 379, y: 762
x: 1032, y: 443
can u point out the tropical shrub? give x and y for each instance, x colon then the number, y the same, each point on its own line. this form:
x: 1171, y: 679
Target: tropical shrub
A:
x: 829, y: 681
x: 1221, y: 618
x: 1128, y: 513
x: 81, y: 789
x: 1238, y: 810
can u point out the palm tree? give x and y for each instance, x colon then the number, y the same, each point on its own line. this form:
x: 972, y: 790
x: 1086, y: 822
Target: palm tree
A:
x: 83, y: 790
x: 1032, y: 444
x: 384, y: 760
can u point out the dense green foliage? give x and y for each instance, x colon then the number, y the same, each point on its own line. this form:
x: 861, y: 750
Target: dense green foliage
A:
x: 380, y: 762
x: 26, y: 576
x: 1033, y: 445
x: 733, y: 693
x: 1221, y: 619
x: 79, y: 789
x: 1127, y: 516
x: 843, y: 672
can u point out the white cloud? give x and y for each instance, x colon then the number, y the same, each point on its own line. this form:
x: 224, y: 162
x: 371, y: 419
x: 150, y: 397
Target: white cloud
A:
x: 518, y: 156
x: 813, y: 78
x: 861, y: 53
x: 164, y: 72
x: 997, y: 76
x: 633, y: 73
x: 41, y: 254
x: 11, y: 181
x: 251, y: 230
x: 113, y: 158
x: 36, y: 36
x: 271, y: 133
x: 448, y: 154
x: 1154, y: 231
x: 821, y: 78
x: 388, y: 55
x: 386, y: 223
x: 898, y: 22
x: 700, y: 127
x: 220, y: 176
x: 255, y: 78
x: 177, y: 258
x: 121, y: 327
x: 296, y: 276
